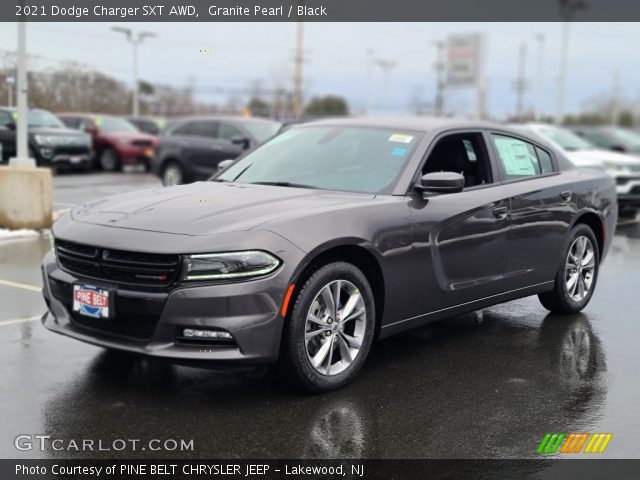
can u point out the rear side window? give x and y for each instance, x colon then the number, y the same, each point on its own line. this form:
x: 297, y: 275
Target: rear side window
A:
x: 521, y: 159
x: 186, y: 128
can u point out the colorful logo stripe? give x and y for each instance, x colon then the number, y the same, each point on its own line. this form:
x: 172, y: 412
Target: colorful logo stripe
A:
x: 573, y: 443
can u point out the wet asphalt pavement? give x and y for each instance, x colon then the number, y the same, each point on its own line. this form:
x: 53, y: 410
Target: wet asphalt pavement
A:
x: 484, y: 385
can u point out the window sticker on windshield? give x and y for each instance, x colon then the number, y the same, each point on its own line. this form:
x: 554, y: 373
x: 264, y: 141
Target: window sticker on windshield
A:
x: 98, y: 121
x: 399, y: 152
x: 401, y: 138
x: 515, y: 157
x: 15, y: 115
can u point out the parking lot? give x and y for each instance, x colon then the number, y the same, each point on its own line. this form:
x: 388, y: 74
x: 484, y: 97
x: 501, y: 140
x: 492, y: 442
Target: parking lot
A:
x: 484, y: 385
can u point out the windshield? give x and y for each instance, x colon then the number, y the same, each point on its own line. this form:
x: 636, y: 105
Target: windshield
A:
x: 367, y: 160
x: 113, y: 124
x: 262, y: 131
x: 566, y: 139
x: 630, y: 139
x: 41, y: 118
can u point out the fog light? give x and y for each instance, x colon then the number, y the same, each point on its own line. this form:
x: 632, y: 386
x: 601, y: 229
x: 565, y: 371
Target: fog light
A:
x: 46, y: 152
x: 193, y: 333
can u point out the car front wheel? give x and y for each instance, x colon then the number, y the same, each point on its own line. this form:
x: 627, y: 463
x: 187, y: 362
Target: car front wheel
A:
x: 576, y: 277
x: 172, y: 175
x: 109, y: 161
x: 330, y: 329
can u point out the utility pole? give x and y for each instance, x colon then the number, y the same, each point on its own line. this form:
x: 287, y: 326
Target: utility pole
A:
x: 521, y: 81
x: 369, y: 92
x: 568, y: 10
x: 386, y: 66
x: 22, y: 153
x: 135, y: 38
x: 439, y: 67
x: 537, y: 103
x: 297, y: 79
x: 615, y: 99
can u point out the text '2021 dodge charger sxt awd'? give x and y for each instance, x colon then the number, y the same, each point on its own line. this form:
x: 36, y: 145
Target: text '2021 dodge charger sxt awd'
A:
x: 332, y: 234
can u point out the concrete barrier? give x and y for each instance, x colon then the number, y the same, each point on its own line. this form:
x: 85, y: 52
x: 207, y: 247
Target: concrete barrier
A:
x: 25, y: 197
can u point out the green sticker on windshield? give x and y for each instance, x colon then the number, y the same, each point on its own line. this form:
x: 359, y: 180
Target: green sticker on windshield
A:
x: 98, y: 121
x: 15, y: 115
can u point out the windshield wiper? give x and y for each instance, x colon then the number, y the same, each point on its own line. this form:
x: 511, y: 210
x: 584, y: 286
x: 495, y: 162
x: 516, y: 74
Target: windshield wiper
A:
x: 284, y: 184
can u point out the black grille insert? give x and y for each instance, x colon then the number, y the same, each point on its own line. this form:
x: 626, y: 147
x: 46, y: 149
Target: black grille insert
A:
x: 118, y: 266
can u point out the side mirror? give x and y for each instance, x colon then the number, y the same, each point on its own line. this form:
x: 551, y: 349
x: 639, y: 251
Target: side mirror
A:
x: 11, y: 126
x: 224, y: 164
x: 618, y: 148
x: 441, y: 182
x: 244, y: 142
x: 90, y: 129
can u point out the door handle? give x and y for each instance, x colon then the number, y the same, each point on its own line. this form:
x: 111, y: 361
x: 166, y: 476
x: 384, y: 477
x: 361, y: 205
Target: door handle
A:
x: 500, y: 212
x: 566, y: 195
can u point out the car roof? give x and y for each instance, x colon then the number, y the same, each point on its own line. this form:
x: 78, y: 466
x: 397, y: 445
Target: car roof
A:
x: 423, y: 124
x: 233, y: 118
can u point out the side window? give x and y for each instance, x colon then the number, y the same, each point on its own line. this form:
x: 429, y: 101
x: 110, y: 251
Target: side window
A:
x: 463, y: 153
x: 5, y: 118
x: 185, y: 128
x: 227, y: 131
x: 73, y: 123
x: 519, y: 159
x: 544, y: 158
x: 205, y: 129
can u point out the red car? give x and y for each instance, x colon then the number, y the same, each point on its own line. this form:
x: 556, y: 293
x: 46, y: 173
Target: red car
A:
x: 116, y: 142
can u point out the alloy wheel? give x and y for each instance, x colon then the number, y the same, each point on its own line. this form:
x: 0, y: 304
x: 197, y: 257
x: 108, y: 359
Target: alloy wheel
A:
x: 172, y: 176
x: 580, y: 268
x: 335, y: 327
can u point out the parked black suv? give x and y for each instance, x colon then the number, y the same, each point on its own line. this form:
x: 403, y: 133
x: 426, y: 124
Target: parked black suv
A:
x: 51, y: 144
x: 190, y: 149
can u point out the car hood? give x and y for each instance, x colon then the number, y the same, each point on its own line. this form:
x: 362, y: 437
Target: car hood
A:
x: 128, y: 136
x: 597, y: 156
x: 208, y: 208
x: 66, y: 132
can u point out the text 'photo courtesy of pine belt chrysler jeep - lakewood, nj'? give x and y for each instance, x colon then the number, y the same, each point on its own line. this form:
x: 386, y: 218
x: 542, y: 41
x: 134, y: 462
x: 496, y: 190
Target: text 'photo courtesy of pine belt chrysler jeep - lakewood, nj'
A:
x: 329, y: 236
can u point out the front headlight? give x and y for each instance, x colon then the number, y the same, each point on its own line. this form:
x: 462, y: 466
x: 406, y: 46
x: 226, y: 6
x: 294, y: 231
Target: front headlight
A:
x: 46, y: 140
x: 616, y: 167
x: 228, y: 265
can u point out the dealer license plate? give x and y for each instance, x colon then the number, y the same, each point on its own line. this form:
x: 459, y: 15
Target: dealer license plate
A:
x: 91, y: 301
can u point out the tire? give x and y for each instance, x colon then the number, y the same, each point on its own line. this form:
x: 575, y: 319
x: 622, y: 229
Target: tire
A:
x: 173, y: 174
x: 108, y: 160
x: 566, y: 296
x: 311, y: 362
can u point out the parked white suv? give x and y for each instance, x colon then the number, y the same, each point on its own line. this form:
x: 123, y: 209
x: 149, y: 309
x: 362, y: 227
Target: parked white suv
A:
x: 625, y: 169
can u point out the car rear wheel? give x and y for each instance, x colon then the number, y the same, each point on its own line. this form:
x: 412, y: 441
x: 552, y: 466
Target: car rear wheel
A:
x: 109, y: 161
x: 576, y: 277
x: 173, y: 174
x: 330, y: 329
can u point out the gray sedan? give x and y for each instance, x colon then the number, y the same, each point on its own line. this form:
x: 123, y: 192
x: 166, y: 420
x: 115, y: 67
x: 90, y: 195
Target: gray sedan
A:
x: 329, y: 236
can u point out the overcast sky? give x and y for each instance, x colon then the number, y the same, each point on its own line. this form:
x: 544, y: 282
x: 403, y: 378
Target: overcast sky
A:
x: 336, y: 58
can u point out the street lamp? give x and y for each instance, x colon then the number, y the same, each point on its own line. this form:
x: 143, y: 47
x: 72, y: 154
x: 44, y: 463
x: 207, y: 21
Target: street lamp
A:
x: 386, y: 66
x: 135, y: 38
x: 568, y: 10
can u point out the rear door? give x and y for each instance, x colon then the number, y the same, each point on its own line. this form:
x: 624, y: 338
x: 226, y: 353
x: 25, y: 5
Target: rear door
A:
x: 541, y: 204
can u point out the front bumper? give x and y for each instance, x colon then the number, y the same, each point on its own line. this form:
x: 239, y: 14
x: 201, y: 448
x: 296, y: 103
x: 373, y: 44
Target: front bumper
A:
x: 64, y: 155
x: 249, y: 311
x: 134, y: 155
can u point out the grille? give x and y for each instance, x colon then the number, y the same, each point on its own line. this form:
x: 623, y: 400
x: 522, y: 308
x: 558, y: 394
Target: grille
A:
x: 142, y: 143
x: 134, y: 319
x: 134, y: 268
x: 635, y: 190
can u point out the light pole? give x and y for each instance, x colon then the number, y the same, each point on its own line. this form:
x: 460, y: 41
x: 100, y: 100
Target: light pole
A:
x: 10, y: 82
x: 386, y: 66
x: 568, y: 10
x: 135, y: 38
x: 297, y: 74
x: 537, y: 104
x: 439, y: 66
x: 22, y: 153
x: 369, y: 92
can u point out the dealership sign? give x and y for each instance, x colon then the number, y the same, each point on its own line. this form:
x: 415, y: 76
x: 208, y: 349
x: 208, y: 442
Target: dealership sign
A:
x: 463, y: 60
